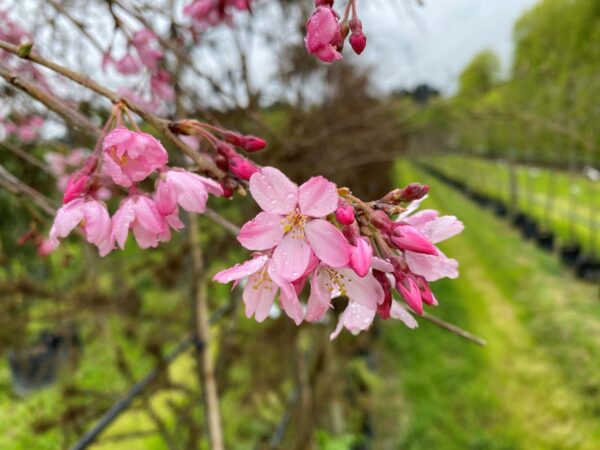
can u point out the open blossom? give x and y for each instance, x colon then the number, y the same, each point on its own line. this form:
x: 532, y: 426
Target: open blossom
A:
x: 262, y: 286
x: 207, y: 13
x: 93, y: 218
x: 127, y: 65
x: 189, y: 190
x: 292, y: 223
x: 322, y: 35
x: 131, y: 156
x: 139, y: 213
x: 145, y: 42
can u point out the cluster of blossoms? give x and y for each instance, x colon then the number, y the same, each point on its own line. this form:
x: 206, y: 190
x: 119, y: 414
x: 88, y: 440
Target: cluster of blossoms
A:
x: 316, y: 234
x: 144, y: 55
x: 326, y: 32
x: 25, y: 129
x: 224, y: 153
x: 126, y: 158
x: 209, y: 13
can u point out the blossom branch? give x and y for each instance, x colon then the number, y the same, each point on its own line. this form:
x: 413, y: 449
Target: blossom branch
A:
x: 73, y: 117
x: 162, y: 125
x: 12, y: 184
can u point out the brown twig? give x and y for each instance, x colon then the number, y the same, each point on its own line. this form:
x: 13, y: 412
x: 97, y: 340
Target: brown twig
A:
x: 161, y: 125
x: 17, y: 187
x: 454, y: 329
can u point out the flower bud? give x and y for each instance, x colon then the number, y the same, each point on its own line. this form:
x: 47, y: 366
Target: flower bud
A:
x: 241, y: 167
x: 77, y: 186
x: 358, y: 42
x: 226, y: 149
x: 222, y: 162
x: 361, y: 256
x: 407, y: 287
x: 414, y: 191
x: 381, y: 221
x: 405, y: 237
x: 344, y: 214
x: 247, y: 142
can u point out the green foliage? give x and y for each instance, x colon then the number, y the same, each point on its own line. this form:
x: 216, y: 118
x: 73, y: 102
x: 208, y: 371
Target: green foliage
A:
x: 481, y: 75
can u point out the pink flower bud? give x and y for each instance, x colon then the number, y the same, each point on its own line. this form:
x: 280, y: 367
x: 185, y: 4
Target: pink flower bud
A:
x: 77, y: 186
x: 221, y: 162
x: 361, y: 256
x: 241, y: 167
x: 226, y: 150
x: 405, y: 237
x: 381, y: 221
x: 344, y: 214
x: 358, y: 42
x: 407, y: 287
x: 227, y: 190
x: 247, y: 142
x: 414, y: 191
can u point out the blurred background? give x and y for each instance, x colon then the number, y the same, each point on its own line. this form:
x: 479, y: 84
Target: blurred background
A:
x: 495, y: 105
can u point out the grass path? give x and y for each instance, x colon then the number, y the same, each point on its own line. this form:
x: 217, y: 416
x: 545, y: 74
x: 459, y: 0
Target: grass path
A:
x: 537, y: 383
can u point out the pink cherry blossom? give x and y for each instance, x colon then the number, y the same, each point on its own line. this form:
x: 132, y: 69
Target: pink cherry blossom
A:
x: 93, y: 218
x: 328, y: 282
x: 161, y: 85
x: 361, y: 256
x: 321, y: 33
x: 292, y: 223
x: 262, y: 286
x: 189, y: 190
x: 143, y: 41
x: 127, y: 65
x: 131, y: 156
x: 345, y: 214
x: 139, y: 213
x: 358, y: 40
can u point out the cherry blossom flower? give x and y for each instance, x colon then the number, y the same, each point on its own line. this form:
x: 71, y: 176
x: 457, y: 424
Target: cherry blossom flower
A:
x: 262, y: 286
x: 189, y: 190
x: 130, y: 156
x: 93, y: 218
x: 143, y: 41
x: 292, y: 223
x: 322, y: 32
x: 139, y: 213
x: 127, y: 65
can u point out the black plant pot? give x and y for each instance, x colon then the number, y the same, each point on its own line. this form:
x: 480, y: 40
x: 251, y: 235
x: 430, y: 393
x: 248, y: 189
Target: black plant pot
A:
x: 545, y: 240
x: 530, y: 228
x: 500, y: 208
x: 569, y: 254
x: 588, y: 268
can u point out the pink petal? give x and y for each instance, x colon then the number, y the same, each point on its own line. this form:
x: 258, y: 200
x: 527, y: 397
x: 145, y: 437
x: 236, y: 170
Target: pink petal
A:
x: 121, y: 222
x: 318, y: 197
x: 419, y: 219
x: 364, y: 290
x: 406, y: 237
x: 263, y: 232
x: 355, y: 318
x: 321, y: 28
x: 430, y: 267
x: 291, y: 257
x: 291, y: 305
x: 327, y: 242
x: 258, y: 297
x: 273, y: 191
x: 243, y: 270
x: 165, y: 198
x: 442, y: 228
x: 398, y: 312
x: 319, y: 300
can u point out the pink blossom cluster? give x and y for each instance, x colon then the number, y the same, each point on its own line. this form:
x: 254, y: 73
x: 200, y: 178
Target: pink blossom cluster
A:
x: 144, y: 54
x: 223, y: 143
x: 12, y: 32
x: 318, y: 235
x: 209, y: 13
x: 326, y: 32
x: 128, y: 158
x: 25, y: 129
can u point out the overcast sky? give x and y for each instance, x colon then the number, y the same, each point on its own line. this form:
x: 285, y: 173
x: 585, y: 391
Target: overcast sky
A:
x: 410, y: 44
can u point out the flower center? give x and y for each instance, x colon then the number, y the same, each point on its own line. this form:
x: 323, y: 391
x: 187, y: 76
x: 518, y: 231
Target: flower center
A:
x: 337, y: 282
x: 294, y: 223
x: 121, y: 160
x: 262, y: 280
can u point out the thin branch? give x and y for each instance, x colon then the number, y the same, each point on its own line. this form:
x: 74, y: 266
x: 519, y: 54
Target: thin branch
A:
x: 27, y: 157
x: 162, y: 125
x: 12, y: 184
x: 454, y: 329
x: 73, y: 117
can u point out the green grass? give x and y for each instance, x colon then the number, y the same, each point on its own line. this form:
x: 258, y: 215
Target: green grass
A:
x: 561, y: 201
x: 536, y: 385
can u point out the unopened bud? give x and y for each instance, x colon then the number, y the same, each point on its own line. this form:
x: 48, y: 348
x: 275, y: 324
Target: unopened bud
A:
x: 381, y: 221
x: 358, y: 42
x: 414, y: 191
x: 222, y: 162
x: 77, y: 186
x: 241, y: 167
x: 226, y: 149
x: 185, y: 127
x: 345, y: 214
